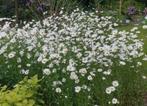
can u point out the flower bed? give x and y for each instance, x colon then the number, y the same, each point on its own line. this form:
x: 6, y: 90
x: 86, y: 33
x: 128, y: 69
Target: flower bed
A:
x: 82, y: 58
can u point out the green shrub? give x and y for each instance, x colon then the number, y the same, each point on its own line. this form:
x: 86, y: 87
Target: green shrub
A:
x: 21, y: 95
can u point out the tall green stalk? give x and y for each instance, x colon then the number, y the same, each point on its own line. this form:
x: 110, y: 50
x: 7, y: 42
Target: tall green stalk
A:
x: 120, y: 6
x: 17, y: 11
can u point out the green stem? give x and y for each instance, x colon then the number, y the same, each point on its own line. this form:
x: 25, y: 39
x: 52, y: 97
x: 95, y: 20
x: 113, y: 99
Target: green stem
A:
x: 17, y: 11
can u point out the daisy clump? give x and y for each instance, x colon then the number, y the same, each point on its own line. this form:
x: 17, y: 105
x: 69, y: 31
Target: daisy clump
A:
x: 82, y: 58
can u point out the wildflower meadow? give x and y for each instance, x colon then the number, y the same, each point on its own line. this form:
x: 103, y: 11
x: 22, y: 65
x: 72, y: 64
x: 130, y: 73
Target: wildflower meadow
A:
x: 81, y: 58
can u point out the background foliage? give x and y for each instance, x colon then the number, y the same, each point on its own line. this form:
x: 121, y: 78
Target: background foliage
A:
x: 30, y: 8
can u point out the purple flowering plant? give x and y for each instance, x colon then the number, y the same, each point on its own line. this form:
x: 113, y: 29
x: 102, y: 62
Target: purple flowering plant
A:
x: 40, y: 8
x: 34, y: 5
x: 145, y: 11
x: 131, y: 10
x: 27, y: 2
